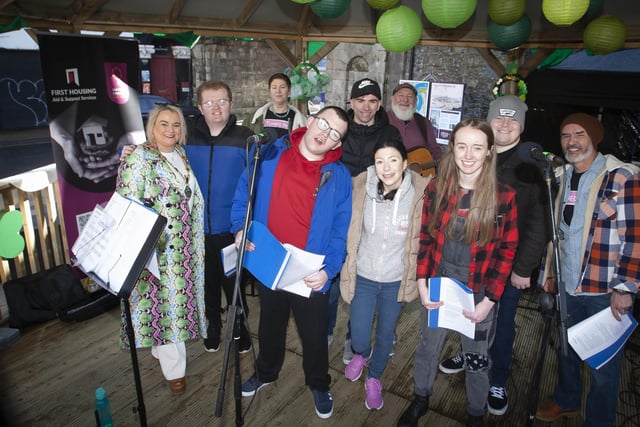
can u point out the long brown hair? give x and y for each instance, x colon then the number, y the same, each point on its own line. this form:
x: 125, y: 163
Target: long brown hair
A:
x: 480, y: 223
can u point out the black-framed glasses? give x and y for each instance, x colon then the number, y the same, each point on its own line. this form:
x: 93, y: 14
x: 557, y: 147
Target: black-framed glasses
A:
x: 210, y: 103
x: 324, y: 126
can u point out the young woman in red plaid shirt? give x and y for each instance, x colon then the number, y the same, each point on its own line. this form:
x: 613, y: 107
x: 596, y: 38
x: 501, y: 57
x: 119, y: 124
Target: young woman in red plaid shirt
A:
x: 469, y: 233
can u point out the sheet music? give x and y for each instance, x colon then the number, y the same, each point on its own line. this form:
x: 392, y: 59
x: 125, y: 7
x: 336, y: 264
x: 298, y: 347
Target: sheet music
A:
x: 300, y: 265
x: 456, y: 297
x: 112, y: 240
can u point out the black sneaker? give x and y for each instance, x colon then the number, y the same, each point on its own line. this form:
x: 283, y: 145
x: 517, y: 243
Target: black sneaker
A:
x: 412, y: 414
x: 452, y: 365
x: 475, y: 421
x: 323, y: 402
x: 497, y: 401
x: 244, y: 342
x: 211, y: 345
x: 252, y: 385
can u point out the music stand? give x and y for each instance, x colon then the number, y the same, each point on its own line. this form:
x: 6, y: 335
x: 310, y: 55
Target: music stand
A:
x: 94, y: 240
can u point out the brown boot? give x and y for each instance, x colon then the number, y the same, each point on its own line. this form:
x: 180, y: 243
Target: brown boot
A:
x: 177, y: 386
x: 550, y: 411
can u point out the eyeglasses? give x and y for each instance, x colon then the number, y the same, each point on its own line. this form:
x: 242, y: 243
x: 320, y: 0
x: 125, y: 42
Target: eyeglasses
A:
x: 221, y: 102
x: 323, y: 125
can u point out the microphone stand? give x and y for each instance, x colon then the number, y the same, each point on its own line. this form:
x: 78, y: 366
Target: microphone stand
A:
x: 235, y: 314
x: 547, y: 303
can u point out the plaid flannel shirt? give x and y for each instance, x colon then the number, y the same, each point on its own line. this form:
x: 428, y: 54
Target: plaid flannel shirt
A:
x: 611, y: 249
x: 491, y: 263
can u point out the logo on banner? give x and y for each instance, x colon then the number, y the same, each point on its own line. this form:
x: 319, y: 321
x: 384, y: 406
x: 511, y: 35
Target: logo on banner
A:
x: 72, y: 76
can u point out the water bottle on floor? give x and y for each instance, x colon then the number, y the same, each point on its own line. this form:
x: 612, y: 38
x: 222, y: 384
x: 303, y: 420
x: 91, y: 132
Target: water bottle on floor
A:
x: 103, y: 409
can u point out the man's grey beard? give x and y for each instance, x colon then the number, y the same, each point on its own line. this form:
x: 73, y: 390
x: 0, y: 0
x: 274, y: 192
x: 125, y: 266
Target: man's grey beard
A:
x: 402, y: 114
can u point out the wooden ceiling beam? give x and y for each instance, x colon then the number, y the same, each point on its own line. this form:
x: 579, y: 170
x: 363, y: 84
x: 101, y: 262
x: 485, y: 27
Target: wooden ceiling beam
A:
x: 305, y: 21
x: 533, y: 61
x: 492, y: 61
x: 81, y: 10
x: 283, y: 51
x: 247, y: 12
x: 176, y: 10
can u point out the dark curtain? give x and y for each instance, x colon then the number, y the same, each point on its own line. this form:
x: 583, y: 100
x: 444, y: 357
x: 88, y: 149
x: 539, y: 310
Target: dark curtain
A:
x: 614, y: 97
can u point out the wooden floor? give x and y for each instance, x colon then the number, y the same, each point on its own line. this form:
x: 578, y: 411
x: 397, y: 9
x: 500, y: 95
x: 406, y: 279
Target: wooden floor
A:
x: 48, y: 378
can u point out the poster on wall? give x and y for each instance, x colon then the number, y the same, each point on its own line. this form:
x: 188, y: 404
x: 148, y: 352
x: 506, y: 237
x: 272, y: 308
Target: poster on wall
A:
x: 445, y: 108
x: 422, y: 88
x: 93, y: 111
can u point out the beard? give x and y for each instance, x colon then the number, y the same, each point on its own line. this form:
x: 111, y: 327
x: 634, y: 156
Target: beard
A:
x: 404, y: 114
x: 580, y: 156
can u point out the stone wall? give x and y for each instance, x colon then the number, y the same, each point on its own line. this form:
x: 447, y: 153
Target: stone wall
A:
x: 247, y: 64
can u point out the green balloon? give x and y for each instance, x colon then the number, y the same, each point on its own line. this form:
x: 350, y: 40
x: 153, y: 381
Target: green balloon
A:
x: 11, y: 241
x: 399, y: 29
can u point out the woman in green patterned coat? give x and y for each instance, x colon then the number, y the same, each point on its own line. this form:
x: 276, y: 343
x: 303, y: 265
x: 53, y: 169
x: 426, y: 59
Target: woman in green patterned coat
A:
x: 168, y: 310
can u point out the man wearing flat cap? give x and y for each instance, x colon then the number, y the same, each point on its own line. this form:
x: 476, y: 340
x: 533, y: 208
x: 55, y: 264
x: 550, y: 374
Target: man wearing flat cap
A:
x: 600, y: 224
x: 368, y: 124
x: 415, y: 129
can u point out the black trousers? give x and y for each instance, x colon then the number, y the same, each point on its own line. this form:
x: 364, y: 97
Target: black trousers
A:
x: 215, y: 281
x: 310, y: 315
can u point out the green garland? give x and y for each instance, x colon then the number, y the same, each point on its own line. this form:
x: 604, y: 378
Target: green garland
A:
x: 307, y: 81
x: 522, y: 86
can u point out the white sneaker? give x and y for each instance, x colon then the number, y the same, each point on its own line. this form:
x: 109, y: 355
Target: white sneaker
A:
x: 347, y: 355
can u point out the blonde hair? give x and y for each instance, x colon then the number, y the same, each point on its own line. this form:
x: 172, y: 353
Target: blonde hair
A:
x: 480, y: 223
x: 153, y: 118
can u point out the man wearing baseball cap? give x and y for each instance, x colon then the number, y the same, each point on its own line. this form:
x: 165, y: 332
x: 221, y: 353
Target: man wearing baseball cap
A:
x: 599, y: 211
x: 507, y: 119
x: 415, y: 129
x: 368, y: 124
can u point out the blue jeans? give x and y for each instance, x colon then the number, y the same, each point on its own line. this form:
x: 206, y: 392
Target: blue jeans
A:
x: 371, y: 299
x: 603, y: 396
x: 334, y: 300
x: 501, y: 350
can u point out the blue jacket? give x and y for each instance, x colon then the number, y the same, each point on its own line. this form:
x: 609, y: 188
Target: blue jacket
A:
x: 331, y: 214
x: 217, y: 162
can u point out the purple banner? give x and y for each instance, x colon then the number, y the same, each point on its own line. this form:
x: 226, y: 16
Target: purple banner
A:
x: 93, y: 111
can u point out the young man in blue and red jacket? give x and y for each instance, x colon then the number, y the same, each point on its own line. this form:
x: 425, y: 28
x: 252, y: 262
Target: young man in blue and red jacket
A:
x: 303, y: 195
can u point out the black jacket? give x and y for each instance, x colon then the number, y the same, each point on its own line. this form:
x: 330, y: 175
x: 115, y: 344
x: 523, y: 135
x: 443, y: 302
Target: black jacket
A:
x: 357, y: 147
x: 531, y: 199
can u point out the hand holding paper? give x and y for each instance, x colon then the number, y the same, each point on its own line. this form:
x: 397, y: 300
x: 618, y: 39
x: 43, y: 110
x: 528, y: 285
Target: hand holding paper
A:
x: 282, y: 266
x: 456, y: 297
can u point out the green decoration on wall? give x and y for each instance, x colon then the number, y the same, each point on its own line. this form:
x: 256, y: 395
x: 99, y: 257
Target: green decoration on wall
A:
x: 307, y: 81
x: 14, y: 25
x: 11, y: 241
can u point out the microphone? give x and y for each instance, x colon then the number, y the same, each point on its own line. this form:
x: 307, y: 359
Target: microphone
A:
x: 530, y: 152
x: 267, y: 136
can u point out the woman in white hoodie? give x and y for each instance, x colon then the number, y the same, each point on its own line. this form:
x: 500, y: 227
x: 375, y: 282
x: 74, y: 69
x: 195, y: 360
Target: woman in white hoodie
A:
x: 379, y: 274
x: 277, y: 114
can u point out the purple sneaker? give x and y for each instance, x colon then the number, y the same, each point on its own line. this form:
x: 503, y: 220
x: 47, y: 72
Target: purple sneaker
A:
x: 373, y: 389
x: 354, y: 369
